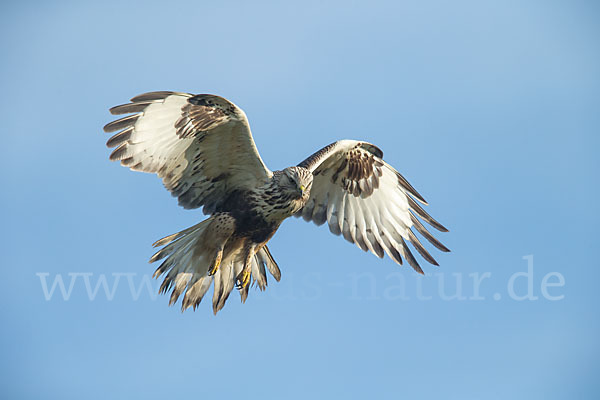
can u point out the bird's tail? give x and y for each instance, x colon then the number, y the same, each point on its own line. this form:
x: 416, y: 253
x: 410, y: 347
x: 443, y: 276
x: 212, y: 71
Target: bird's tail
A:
x: 196, y: 256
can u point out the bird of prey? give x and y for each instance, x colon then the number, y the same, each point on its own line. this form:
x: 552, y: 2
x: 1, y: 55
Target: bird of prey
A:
x: 202, y: 149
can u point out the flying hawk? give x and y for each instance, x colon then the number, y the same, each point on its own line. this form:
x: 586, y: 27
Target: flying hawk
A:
x: 202, y: 149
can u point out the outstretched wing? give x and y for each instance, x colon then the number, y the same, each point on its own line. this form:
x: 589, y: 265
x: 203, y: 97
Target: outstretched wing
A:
x: 200, y: 145
x: 367, y: 201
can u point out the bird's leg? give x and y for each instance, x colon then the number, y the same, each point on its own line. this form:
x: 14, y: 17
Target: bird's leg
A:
x: 214, y: 266
x: 220, y: 230
x: 243, y: 278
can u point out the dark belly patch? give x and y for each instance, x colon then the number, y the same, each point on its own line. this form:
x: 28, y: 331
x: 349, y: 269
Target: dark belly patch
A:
x: 248, y: 223
x: 253, y: 226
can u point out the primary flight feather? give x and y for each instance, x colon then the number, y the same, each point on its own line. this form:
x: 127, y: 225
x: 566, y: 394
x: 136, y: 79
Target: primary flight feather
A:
x: 202, y: 148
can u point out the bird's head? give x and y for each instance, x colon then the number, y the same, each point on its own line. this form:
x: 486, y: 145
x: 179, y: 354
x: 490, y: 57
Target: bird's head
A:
x: 297, y: 181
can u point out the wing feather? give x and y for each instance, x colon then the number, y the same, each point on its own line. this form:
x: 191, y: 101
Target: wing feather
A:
x: 368, y: 202
x: 200, y: 145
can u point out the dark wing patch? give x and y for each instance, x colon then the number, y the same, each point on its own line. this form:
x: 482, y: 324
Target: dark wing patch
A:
x: 203, y: 113
x: 359, y: 173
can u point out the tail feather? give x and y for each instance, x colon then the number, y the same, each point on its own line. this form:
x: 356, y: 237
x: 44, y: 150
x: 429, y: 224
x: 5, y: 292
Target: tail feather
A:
x: 222, y: 291
x: 237, y: 269
x: 177, y: 242
x: 218, y: 285
x: 258, y: 272
x: 265, y: 257
x: 195, y: 293
x: 181, y: 282
x: 187, y: 256
x: 170, y: 238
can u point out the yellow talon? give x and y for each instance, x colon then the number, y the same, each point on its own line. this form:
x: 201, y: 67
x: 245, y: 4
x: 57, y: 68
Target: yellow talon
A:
x: 243, y: 278
x: 215, y: 267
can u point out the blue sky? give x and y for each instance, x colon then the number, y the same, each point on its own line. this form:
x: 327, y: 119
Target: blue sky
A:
x: 489, y: 108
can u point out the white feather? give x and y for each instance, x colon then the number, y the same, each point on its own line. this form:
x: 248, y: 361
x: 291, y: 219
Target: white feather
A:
x: 380, y: 218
